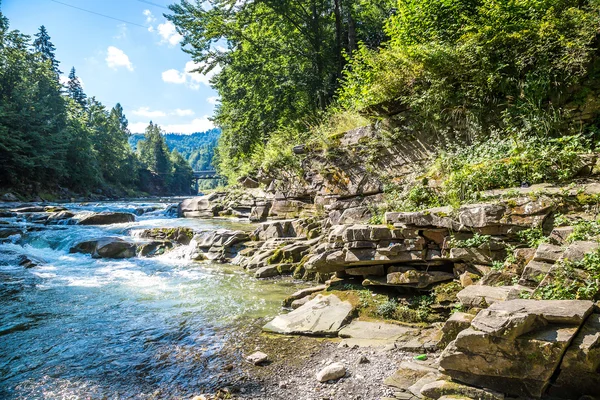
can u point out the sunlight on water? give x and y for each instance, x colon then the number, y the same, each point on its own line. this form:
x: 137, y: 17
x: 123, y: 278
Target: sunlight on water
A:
x: 78, y: 327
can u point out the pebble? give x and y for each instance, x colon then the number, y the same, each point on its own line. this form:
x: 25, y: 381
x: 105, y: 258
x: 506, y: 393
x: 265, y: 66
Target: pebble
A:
x: 257, y: 358
x: 331, y: 372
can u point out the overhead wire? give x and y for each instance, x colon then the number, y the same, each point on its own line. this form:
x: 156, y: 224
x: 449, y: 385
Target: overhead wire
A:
x: 99, y: 14
x: 153, y: 4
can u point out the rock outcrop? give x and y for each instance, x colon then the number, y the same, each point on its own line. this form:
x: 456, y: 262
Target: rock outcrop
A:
x: 108, y: 247
x: 515, y: 346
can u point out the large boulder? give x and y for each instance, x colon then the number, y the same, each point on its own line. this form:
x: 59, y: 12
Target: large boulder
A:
x: 108, y: 247
x: 515, y: 346
x: 483, y: 296
x: 107, y: 218
x: 201, y: 207
x: 322, y: 316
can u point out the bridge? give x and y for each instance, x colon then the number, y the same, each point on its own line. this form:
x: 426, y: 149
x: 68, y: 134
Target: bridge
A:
x: 209, y: 174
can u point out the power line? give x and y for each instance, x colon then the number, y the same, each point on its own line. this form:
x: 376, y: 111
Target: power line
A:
x: 153, y: 4
x: 101, y: 15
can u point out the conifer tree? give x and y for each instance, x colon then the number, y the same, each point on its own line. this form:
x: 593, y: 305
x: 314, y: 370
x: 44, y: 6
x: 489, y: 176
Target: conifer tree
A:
x: 44, y: 46
x: 75, y: 90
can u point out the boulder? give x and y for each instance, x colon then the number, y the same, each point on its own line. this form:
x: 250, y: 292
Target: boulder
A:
x: 178, y: 235
x: 107, y: 218
x: 154, y: 248
x: 580, y: 368
x: 483, y: 296
x: 108, y: 247
x: 10, y: 231
x: 515, y: 346
x: 372, y: 270
x: 29, y: 209
x: 274, y: 230
x: 322, y: 316
x: 331, y: 372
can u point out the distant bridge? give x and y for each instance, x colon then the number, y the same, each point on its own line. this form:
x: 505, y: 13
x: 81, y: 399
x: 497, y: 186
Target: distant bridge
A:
x: 205, y: 175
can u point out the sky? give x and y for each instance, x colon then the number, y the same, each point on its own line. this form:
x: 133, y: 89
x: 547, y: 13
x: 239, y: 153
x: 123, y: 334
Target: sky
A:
x: 141, y: 67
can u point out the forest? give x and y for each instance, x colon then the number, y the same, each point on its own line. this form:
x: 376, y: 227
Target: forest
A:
x: 508, y: 88
x: 55, y: 139
x: 197, y: 148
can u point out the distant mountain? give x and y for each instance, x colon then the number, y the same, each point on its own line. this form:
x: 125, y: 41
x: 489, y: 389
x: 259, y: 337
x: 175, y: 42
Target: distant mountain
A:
x: 198, y: 148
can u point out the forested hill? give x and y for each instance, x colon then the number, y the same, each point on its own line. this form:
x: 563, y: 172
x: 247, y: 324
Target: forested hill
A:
x: 198, y: 148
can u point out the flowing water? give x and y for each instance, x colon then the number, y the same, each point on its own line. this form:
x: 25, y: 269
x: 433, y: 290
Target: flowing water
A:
x: 76, y: 327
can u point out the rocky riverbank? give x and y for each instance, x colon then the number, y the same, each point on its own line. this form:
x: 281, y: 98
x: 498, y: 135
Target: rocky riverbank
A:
x: 435, y: 303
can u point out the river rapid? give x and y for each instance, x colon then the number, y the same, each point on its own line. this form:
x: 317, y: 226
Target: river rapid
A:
x: 77, y: 327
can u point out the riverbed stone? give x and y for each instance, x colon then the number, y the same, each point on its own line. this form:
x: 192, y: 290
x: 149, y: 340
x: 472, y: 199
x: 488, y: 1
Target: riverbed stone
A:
x: 267, y: 271
x: 258, y: 358
x: 201, y: 207
x: 373, y: 270
x: 375, y: 333
x: 322, y: 316
x: 534, y: 273
x: 107, y: 218
x: 331, y: 372
x: 59, y: 217
x: 180, y: 235
x: 577, y: 250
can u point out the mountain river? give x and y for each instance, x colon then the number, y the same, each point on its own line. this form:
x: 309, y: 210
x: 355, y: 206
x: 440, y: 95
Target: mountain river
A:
x: 75, y: 327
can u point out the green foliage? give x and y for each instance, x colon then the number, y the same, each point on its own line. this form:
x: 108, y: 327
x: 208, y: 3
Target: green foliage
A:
x: 506, y: 162
x: 388, y: 309
x: 572, y: 280
x: 584, y: 230
x: 475, y: 241
x: 533, y: 237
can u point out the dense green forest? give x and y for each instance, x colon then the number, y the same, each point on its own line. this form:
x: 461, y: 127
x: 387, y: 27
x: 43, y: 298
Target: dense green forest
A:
x: 509, y: 87
x: 57, y: 140
x: 197, y: 148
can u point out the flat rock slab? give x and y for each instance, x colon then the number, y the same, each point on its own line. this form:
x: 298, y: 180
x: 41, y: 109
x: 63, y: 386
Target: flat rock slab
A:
x: 378, y: 332
x: 322, y: 316
x: 481, y: 295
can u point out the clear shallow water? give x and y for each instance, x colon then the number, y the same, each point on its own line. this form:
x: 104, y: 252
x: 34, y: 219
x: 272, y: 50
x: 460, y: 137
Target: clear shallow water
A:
x: 77, y: 327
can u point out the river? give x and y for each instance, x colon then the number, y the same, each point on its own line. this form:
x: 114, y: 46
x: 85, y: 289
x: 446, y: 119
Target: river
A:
x: 77, y: 327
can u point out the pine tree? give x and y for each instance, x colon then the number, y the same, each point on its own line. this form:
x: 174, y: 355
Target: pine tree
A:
x: 44, y: 46
x: 74, y: 89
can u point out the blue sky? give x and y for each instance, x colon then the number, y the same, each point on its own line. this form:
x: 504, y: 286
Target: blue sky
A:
x: 143, y: 68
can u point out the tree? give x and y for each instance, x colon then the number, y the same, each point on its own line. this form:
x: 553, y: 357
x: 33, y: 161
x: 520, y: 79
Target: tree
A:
x: 282, y: 64
x: 75, y: 90
x: 154, y: 154
x: 44, y: 46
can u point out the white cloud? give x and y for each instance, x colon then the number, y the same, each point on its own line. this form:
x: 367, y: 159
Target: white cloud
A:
x: 169, y: 34
x: 193, y: 79
x: 183, y: 113
x: 149, y: 17
x: 145, y: 112
x: 173, y: 76
x: 116, y: 58
x: 196, y: 125
x: 213, y: 99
